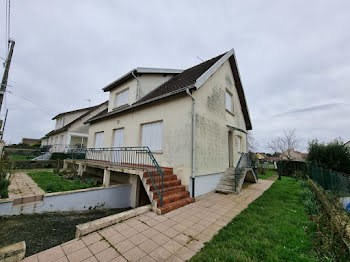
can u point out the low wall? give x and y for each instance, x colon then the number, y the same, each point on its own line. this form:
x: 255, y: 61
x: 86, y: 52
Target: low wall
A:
x: 205, y: 184
x: 117, y: 196
x: 338, y: 216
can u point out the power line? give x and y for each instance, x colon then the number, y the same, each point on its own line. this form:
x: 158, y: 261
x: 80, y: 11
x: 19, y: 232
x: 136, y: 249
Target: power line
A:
x: 33, y: 102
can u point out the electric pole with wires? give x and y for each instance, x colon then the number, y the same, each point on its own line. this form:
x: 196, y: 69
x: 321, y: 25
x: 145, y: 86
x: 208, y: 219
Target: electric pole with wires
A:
x: 6, y: 74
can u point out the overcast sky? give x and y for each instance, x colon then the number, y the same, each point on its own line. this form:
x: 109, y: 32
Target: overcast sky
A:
x: 293, y: 57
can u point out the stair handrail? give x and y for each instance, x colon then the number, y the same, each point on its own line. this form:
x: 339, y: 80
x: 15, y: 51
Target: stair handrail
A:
x: 125, y: 157
x: 242, y: 164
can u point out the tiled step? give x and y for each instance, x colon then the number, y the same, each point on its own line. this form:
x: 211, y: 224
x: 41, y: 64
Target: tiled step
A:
x: 170, y: 191
x: 167, y: 184
x: 173, y: 197
x: 166, y: 178
x: 174, y: 205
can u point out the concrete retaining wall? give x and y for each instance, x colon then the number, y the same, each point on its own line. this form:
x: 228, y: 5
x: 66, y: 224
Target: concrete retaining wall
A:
x: 205, y: 184
x: 112, y: 197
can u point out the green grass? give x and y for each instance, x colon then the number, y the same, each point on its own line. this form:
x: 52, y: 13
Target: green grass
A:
x: 267, y: 174
x: 20, y: 157
x: 272, y: 228
x: 50, y: 182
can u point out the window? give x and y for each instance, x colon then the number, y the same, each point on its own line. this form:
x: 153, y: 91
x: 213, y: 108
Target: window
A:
x: 60, y: 122
x: 239, y: 144
x: 122, y: 98
x: 99, y: 140
x: 228, y: 101
x: 51, y: 140
x: 152, y: 135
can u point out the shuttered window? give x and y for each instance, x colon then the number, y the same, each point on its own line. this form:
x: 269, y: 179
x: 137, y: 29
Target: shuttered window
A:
x: 122, y: 98
x: 99, y: 140
x: 229, y: 101
x: 152, y: 135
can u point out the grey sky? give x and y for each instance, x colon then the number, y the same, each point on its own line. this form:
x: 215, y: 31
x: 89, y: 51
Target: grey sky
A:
x: 293, y: 56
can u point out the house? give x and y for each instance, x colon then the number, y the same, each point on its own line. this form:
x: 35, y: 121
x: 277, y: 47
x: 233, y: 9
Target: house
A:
x: 70, y: 130
x: 293, y: 155
x: 30, y: 141
x: 347, y: 144
x: 260, y: 156
x: 194, y: 123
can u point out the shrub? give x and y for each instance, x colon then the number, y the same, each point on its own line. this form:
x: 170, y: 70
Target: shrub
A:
x: 33, y: 164
x: 49, y: 188
x: 5, y: 172
x: 334, y: 156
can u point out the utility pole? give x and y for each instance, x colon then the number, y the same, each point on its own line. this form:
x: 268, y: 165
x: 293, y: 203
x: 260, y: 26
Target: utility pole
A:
x: 6, y: 72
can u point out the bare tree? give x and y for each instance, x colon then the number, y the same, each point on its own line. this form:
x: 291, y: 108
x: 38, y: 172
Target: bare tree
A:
x: 251, y: 142
x: 285, y: 144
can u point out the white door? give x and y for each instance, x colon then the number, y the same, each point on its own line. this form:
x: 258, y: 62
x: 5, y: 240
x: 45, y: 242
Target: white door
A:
x: 118, y: 142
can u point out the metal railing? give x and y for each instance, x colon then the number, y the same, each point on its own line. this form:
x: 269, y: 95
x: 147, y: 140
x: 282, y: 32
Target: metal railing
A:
x: 335, y: 182
x: 130, y: 157
x: 245, y: 161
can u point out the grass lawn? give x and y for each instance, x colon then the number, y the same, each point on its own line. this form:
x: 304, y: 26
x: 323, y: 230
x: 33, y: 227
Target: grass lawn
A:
x: 43, y: 231
x: 272, y: 228
x: 51, y: 182
x: 267, y: 174
x: 20, y: 157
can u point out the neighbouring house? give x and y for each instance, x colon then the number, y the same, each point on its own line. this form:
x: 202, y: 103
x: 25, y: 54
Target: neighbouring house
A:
x: 30, y: 141
x: 194, y: 123
x: 260, y: 156
x: 347, y: 144
x: 70, y: 130
x: 293, y: 155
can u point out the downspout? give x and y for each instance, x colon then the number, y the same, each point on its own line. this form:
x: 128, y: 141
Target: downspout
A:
x: 193, y: 175
x: 138, y: 86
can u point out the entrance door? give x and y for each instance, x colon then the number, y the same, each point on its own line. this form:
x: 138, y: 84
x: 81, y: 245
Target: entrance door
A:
x: 230, y: 149
x: 118, y: 142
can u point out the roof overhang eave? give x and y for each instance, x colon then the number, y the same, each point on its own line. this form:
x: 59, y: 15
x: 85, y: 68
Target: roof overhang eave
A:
x: 140, y: 104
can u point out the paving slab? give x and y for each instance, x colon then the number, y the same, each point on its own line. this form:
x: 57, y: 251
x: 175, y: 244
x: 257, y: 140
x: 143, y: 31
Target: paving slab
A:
x: 175, y: 236
x: 23, y: 189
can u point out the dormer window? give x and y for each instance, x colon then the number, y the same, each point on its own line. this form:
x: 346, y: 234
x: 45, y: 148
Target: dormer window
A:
x: 60, y: 122
x: 122, y: 98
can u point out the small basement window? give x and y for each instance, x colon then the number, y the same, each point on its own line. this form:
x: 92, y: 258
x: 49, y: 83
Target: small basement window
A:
x: 152, y: 135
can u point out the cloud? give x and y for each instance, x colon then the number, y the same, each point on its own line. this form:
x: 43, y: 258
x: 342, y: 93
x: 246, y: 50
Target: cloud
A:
x: 293, y: 57
x: 309, y: 109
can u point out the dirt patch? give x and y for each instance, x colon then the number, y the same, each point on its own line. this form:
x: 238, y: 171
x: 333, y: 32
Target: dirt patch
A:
x: 43, y: 231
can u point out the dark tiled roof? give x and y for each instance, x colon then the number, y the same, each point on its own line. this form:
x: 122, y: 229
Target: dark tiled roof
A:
x: 65, y: 127
x: 73, y: 111
x: 179, y: 83
x: 186, y: 78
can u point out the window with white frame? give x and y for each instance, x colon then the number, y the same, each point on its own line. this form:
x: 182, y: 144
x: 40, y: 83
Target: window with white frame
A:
x: 122, y: 98
x: 152, y: 135
x: 60, y: 122
x: 229, y: 102
x: 239, y: 144
x: 99, y: 139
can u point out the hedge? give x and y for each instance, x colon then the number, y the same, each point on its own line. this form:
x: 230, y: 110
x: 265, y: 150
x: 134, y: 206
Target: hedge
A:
x: 291, y: 168
x: 62, y: 156
x: 33, y: 164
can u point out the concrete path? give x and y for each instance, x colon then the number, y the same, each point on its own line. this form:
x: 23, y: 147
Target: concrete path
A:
x: 175, y: 236
x: 24, y: 190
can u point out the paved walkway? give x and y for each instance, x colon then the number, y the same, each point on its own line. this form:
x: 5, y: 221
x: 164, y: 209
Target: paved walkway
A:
x: 175, y: 236
x: 24, y: 190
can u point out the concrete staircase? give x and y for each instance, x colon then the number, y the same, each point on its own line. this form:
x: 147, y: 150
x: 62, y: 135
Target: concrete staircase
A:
x: 174, y: 194
x: 45, y: 156
x: 227, y: 181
